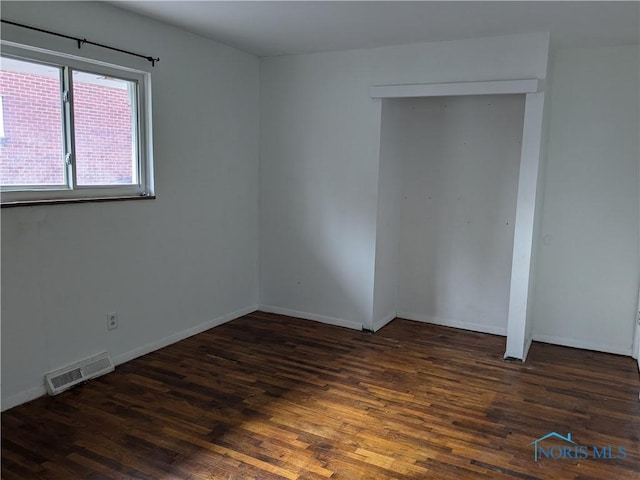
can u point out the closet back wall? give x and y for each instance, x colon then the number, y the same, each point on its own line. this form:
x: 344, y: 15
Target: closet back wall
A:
x: 460, y: 158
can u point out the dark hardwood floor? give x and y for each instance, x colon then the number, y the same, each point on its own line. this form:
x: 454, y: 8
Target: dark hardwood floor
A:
x: 266, y: 397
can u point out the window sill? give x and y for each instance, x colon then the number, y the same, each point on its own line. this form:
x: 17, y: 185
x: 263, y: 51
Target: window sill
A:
x: 33, y: 203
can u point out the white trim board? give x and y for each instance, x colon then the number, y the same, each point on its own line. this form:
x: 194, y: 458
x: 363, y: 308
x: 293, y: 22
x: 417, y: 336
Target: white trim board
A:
x: 24, y: 396
x: 524, y: 226
x: 40, y: 390
x: 176, y: 337
x: 584, y: 345
x: 527, y: 347
x: 494, y: 87
x: 312, y: 316
x: 635, y: 350
x: 447, y: 322
x: 384, y: 321
x: 525, y: 351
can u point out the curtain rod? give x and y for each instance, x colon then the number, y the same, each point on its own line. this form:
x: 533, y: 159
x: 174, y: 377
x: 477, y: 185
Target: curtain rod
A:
x: 82, y: 41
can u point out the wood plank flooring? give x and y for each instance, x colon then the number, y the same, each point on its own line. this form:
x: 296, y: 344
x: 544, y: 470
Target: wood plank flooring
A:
x: 267, y: 396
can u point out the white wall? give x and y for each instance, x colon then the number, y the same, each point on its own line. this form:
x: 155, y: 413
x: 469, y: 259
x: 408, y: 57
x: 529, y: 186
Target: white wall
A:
x: 319, y: 161
x: 588, y: 268
x: 169, y: 266
x: 461, y: 159
x: 318, y: 182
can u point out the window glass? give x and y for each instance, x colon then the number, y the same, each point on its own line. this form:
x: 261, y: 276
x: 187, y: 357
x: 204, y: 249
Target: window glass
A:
x: 32, y: 149
x: 105, y: 129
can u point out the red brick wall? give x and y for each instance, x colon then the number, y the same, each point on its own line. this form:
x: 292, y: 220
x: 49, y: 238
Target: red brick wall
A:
x: 102, y: 119
x: 31, y: 150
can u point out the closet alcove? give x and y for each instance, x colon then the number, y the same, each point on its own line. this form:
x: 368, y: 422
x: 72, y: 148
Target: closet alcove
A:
x: 456, y: 205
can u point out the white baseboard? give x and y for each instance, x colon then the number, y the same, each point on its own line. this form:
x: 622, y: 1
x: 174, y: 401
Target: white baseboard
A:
x: 446, y: 322
x: 39, y: 391
x: 24, y: 396
x: 311, y: 316
x: 585, y: 345
x: 526, y: 349
x: 383, y: 321
x: 176, y: 337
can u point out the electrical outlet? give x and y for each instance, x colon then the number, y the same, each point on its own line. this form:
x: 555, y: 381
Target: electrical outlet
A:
x: 112, y: 321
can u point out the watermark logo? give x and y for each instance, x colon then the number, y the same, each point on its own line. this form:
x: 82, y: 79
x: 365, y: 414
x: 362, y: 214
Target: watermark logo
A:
x: 561, y: 447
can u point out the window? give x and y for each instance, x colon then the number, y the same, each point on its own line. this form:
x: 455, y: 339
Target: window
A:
x: 1, y: 119
x: 73, y: 129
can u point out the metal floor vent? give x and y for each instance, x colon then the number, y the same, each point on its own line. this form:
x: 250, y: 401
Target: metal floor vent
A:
x: 67, y: 377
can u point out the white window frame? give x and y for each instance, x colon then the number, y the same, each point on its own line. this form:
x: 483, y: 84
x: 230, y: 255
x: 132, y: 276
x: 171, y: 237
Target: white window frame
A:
x: 18, y: 195
x: 1, y: 118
